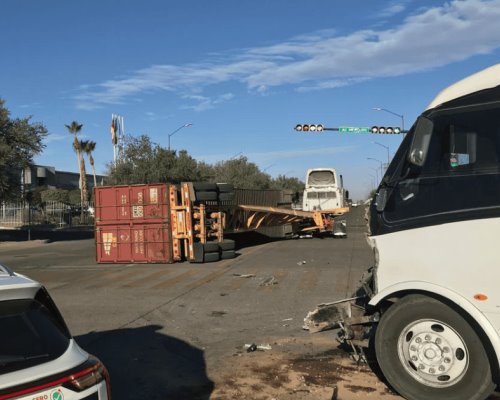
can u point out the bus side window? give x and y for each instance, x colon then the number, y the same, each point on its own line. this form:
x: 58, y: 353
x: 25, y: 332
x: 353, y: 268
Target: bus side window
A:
x: 462, y: 147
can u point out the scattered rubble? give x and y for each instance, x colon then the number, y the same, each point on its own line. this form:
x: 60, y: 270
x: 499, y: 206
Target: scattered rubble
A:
x: 253, y: 347
x: 269, y: 281
x: 244, y: 275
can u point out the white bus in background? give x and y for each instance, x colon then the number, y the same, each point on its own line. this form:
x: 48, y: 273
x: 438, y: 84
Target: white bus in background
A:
x: 324, y: 190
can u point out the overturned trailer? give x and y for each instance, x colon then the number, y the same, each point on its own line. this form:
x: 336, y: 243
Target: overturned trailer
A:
x: 430, y: 306
x: 165, y: 223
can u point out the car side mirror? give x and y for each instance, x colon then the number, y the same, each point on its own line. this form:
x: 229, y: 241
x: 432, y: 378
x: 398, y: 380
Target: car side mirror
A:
x: 421, y: 140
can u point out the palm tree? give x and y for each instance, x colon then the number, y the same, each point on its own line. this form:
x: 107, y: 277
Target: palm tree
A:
x: 80, y: 146
x: 88, y: 149
x: 74, y: 129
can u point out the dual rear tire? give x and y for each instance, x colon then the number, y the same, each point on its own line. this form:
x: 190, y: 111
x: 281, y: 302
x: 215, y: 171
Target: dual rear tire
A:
x: 214, y: 251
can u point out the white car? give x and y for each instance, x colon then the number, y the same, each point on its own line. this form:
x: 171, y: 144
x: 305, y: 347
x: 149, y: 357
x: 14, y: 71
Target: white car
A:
x: 39, y: 359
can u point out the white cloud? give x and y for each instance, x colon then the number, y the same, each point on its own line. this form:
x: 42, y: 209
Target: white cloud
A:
x: 205, y: 103
x: 432, y: 38
x: 53, y: 137
x: 393, y: 9
x: 283, y: 154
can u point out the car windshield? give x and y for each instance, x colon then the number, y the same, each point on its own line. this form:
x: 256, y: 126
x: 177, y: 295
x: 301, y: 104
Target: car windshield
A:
x: 30, y: 335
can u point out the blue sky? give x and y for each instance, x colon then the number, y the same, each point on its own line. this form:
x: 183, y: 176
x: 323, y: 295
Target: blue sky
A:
x: 243, y: 73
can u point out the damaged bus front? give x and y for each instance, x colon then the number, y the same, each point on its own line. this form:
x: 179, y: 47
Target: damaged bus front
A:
x: 430, y: 306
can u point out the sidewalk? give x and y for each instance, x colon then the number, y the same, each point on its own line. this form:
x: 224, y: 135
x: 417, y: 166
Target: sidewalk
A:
x: 22, y: 244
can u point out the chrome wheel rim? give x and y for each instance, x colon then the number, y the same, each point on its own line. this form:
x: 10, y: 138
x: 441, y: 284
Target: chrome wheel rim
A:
x: 433, y: 353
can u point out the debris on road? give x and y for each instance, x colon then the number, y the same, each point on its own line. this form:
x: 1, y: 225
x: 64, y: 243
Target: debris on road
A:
x: 253, y: 347
x: 287, y: 319
x: 269, y: 281
x: 244, y: 275
x: 218, y: 313
x: 322, y: 319
x: 302, y: 262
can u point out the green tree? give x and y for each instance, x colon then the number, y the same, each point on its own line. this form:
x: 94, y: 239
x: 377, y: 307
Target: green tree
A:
x: 146, y: 162
x: 242, y: 174
x: 75, y: 197
x: 282, y: 183
x: 20, y: 141
x: 54, y: 195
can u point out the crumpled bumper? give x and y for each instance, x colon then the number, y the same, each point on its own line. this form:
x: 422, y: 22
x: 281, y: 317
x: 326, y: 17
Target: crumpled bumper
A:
x: 350, y: 316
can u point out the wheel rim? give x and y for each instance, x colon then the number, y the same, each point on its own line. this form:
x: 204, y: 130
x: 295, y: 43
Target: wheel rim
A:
x: 433, y: 353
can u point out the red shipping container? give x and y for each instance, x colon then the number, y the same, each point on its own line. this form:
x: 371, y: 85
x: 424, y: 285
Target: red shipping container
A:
x: 134, y: 203
x: 134, y: 243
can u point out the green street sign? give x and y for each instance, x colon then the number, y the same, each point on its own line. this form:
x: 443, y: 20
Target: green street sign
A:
x: 354, y: 129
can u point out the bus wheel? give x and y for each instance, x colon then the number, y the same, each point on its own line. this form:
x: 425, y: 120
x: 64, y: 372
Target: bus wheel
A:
x: 427, y: 350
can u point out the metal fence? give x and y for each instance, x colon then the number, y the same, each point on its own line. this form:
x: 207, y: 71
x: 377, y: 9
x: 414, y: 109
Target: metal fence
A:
x: 52, y: 213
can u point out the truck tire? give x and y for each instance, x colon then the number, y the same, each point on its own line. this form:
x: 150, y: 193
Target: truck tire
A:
x: 226, y: 196
x: 227, y: 254
x: 205, y: 186
x: 206, y: 196
x: 198, y: 252
x: 428, y: 351
x: 211, y: 247
x: 211, y: 257
x: 227, y: 244
x: 225, y: 187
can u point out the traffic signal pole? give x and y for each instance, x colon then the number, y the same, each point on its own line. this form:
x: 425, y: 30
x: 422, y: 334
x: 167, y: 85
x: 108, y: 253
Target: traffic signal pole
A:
x: 350, y: 129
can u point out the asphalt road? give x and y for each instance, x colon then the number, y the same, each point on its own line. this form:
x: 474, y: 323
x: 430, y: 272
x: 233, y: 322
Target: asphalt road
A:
x: 178, y: 331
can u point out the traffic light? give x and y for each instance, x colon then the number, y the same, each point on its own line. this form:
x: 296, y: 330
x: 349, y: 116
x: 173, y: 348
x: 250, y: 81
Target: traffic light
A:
x: 311, y: 127
x: 388, y: 130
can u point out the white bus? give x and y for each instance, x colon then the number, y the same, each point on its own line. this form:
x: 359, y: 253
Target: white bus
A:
x: 434, y: 291
x: 323, y: 191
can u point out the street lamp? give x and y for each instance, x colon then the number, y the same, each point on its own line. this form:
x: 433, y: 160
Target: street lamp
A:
x: 174, y: 132
x: 371, y: 181
x: 376, y: 174
x: 387, y: 148
x: 393, y: 113
x: 381, y: 165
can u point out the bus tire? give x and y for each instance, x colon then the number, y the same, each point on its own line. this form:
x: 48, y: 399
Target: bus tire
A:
x: 427, y: 350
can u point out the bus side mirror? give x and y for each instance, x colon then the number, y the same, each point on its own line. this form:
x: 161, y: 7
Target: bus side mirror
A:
x: 381, y: 199
x: 421, y: 140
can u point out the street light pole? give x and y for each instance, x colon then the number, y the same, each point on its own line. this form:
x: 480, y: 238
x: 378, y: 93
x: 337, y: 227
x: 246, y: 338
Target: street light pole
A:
x: 174, y: 132
x: 376, y: 175
x: 393, y: 113
x: 387, y: 148
x: 371, y: 181
x: 381, y: 165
